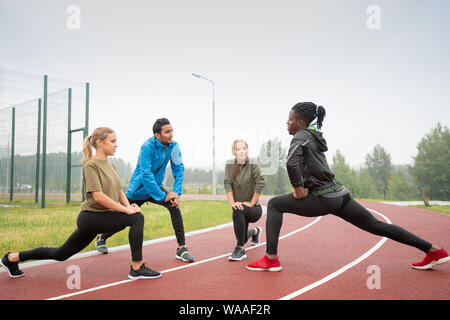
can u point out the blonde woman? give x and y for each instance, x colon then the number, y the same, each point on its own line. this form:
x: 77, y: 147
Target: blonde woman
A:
x: 106, y: 209
x: 243, y: 183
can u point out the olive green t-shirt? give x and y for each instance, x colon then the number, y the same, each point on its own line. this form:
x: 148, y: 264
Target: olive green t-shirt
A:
x: 100, y: 175
x: 248, y: 181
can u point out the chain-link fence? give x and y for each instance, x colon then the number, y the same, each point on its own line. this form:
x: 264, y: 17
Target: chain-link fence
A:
x: 42, y: 121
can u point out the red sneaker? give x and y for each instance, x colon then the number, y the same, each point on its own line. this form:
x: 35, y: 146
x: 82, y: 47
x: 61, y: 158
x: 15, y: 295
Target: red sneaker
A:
x: 432, y: 259
x: 264, y: 264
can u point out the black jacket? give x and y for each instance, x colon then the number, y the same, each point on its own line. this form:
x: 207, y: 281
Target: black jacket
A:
x: 306, y: 164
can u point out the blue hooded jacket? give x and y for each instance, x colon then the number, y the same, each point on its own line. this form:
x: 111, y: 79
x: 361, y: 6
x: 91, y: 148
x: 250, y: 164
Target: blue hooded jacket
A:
x: 147, y: 179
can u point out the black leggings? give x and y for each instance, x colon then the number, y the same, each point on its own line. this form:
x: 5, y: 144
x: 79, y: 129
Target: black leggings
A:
x: 89, y: 225
x: 175, y: 216
x: 344, y: 207
x: 241, y: 219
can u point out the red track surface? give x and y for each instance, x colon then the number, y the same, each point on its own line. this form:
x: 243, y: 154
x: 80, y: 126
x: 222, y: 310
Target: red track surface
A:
x: 307, y: 256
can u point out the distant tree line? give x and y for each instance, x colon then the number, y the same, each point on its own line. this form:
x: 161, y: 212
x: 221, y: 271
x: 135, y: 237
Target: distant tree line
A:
x: 56, y: 171
x: 428, y: 177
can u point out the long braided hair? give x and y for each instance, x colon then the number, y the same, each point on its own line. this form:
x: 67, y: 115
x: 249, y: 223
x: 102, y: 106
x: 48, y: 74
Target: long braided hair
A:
x: 308, y: 111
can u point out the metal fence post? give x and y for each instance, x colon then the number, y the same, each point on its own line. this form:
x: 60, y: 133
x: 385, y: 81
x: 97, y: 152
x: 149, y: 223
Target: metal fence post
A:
x: 11, y: 173
x: 86, y: 132
x: 38, y: 153
x: 69, y: 145
x: 44, y: 144
x: 86, y: 115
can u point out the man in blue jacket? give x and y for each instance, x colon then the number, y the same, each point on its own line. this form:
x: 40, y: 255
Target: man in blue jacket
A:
x: 146, y: 183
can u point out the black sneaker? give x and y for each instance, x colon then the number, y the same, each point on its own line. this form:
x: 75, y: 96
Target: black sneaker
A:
x: 143, y: 273
x: 238, y: 254
x: 255, y: 238
x: 100, y: 245
x: 184, y: 255
x: 11, y: 267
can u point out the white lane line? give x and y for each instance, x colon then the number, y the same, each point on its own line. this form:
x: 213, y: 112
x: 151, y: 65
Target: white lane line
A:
x: 180, y: 267
x: 341, y: 270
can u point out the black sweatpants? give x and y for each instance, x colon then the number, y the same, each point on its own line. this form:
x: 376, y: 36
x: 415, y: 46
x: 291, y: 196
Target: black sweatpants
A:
x: 344, y: 207
x: 89, y: 225
x: 175, y: 216
x: 241, y: 219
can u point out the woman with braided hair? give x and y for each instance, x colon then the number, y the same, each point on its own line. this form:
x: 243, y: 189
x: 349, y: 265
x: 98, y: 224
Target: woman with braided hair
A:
x: 317, y: 192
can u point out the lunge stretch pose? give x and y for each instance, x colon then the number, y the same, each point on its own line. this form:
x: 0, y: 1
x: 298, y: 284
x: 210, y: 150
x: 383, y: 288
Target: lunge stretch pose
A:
x: 106, y: 209
x: 243, y: 183
x: 146, y: 183
x: 317, y: 193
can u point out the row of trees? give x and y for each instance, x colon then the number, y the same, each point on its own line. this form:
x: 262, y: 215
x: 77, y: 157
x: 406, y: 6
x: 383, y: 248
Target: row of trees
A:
x: 427, y: 177
x: 378, y: 179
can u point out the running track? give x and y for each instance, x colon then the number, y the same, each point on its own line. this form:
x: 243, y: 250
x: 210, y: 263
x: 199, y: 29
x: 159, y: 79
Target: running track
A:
x: 322, y: 258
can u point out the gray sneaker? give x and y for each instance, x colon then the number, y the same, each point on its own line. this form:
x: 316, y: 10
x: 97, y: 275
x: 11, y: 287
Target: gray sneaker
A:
x: 143, y: 273
x: 255, y: 239
x: 184, y: 255
x: 100, y: 245
x: 238, y: 254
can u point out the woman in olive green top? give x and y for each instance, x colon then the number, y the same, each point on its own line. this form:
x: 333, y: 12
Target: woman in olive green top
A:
x: 243, y: 183
x: 106, y: 209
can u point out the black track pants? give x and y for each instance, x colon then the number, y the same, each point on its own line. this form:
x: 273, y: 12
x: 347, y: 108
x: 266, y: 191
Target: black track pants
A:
x: 89, y: 225
x: 241, y: 219
x: 344, y: 207
x: 175, y: 216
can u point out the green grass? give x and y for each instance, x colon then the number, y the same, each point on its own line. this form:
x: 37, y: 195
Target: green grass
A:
x: 24, y: 228
x: 437, y: 208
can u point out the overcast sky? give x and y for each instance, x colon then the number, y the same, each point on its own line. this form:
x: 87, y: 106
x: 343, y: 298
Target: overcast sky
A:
x: 389, y: 85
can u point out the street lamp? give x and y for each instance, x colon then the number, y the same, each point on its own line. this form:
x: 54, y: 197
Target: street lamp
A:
x: 214, y: 138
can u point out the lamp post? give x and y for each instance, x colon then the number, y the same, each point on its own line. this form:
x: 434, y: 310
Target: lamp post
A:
x: 214, y: 134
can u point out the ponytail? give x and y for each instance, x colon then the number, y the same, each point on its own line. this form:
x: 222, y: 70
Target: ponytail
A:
x: 320, y: 116
x: 91, y: 142
x: 87, y: 150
